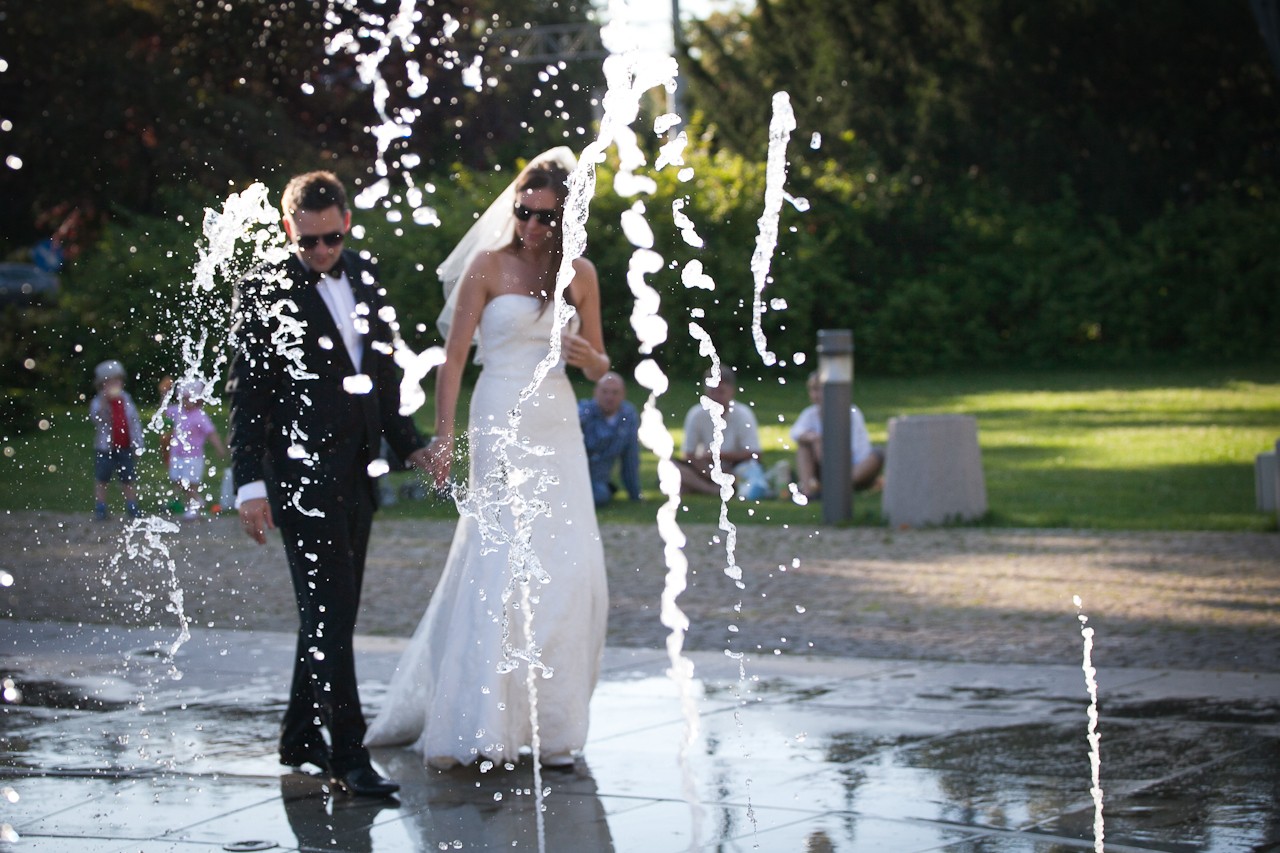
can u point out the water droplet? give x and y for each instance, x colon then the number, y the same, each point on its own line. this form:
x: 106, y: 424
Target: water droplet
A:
x: 378, y: 467
x: 497, y: 796
x: 636, y: 228
x: 800, y: 608
x: 357, y: 384
x: 798, y: 202
x: 426, y: 216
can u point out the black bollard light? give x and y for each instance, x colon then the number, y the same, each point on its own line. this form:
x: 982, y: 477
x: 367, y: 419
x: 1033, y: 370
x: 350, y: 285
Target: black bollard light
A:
x: 835, y: 372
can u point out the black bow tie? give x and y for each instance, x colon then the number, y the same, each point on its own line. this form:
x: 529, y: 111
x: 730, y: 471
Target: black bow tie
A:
x: 334, y: 272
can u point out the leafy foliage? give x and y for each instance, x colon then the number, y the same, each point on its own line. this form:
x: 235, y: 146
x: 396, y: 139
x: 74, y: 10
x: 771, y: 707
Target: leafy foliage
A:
x: 997, y: 183
x: 111, y: 102
x: 1131, y: 106
x: 988, y: 183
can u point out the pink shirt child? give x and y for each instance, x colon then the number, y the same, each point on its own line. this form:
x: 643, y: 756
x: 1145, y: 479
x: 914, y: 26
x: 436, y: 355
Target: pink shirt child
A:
x: 191, y: 429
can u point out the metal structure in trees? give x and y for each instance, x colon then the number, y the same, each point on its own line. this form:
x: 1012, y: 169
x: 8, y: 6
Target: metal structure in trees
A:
x: 1267, y: 14
x: 550, y: 43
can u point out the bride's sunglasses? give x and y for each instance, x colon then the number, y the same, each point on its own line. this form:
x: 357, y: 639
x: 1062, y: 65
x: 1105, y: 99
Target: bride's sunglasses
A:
x: 546, y: 217
x: 310, y: 241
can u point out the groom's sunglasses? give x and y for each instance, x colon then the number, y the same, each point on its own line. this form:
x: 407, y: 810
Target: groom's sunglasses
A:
x: 546, y: 217
x: 310, y: 241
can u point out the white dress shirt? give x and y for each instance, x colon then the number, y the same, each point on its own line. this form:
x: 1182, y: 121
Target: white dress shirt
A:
x: 341, y: 302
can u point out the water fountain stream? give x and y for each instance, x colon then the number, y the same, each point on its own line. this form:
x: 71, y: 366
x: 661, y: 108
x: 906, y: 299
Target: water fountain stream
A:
x: 1094, y: 738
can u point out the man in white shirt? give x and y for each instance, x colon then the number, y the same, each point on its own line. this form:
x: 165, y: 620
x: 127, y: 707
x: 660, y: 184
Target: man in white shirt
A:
x: 867, y: 461
x: 740, y: 443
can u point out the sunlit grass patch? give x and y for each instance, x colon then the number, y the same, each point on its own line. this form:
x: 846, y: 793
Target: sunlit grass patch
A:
x: 1148, y: 450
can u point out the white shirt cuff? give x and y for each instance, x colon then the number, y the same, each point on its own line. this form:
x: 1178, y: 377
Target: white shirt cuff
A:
x: 251, y: 491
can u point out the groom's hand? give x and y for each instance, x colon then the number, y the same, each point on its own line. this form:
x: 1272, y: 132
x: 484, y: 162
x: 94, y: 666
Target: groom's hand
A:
x: 419, y: 459
x: 255, y: 518
x: 439, y: 459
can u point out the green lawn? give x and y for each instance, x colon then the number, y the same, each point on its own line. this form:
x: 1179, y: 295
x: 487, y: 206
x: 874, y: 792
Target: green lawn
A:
x: 1142, y: 450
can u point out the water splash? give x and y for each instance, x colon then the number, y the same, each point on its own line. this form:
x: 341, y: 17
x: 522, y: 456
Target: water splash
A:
x: 143, y: 542
x: 386, y: 33
x: 531, y: 685
x: 1094, y: 738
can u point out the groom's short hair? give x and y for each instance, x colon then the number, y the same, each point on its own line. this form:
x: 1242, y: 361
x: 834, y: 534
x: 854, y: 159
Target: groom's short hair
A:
x: 313, y: 191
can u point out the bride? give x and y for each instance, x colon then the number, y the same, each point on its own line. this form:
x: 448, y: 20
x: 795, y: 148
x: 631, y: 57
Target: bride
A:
x: 508, y: 653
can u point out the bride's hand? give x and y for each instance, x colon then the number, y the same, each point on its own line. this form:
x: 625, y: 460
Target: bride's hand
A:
x: 578, y: 352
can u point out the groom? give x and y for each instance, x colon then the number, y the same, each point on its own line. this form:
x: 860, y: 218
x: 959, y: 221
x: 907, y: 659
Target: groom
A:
x: 313, y: 393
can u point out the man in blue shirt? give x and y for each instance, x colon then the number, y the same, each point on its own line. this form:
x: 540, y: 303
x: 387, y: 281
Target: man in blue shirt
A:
x: 610, y: 429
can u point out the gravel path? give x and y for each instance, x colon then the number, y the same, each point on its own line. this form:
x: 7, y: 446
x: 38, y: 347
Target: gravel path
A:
x: 1187, y: 599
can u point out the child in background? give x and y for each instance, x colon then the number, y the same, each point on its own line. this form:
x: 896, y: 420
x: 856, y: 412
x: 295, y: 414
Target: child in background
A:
x: 192, y: 427
x: 117, y: 438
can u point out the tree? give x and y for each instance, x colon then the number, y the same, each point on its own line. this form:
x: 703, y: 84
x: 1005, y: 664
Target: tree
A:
x: 121, y: 119
x: 108, y: 102
x: 1134, y: 105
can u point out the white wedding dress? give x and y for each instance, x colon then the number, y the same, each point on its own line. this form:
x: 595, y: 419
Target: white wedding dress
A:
x: 527, y: 534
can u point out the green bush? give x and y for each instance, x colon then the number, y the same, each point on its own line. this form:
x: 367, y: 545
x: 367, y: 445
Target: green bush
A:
x: 927, y: 276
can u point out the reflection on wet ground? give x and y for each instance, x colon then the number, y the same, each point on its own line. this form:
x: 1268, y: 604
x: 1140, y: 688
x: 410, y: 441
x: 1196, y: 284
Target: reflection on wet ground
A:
x: 104, y: 748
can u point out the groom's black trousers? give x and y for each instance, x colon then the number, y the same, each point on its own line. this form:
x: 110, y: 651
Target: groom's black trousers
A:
x: 326, y: 555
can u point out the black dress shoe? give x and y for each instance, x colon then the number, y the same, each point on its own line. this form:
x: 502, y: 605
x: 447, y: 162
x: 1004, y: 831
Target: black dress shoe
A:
x: 364, y: 782
x: 297, y: 756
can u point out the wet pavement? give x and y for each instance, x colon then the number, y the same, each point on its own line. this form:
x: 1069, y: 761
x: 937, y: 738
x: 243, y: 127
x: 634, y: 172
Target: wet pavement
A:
x: 110, y: 744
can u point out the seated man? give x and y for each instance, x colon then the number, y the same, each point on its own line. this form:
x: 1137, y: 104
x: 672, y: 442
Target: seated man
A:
x: 807, y: 434
x: 739, y: 449
x: 611, y: 432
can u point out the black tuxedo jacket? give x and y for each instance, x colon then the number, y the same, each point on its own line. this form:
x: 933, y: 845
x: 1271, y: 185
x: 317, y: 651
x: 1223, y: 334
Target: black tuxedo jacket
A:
x: 302, y: 420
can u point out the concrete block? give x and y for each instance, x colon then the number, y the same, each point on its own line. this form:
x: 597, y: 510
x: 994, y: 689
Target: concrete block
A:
x: 1264, y: 481
x: 933, y: 471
